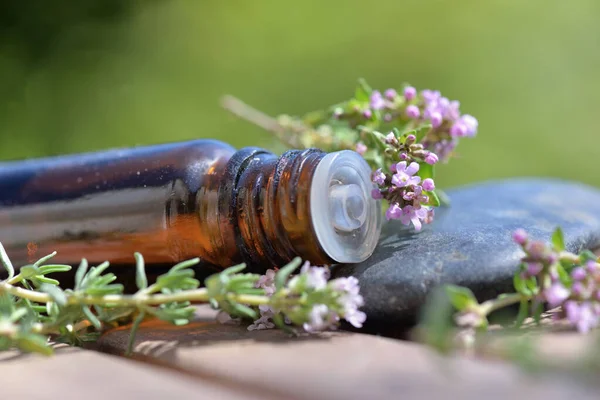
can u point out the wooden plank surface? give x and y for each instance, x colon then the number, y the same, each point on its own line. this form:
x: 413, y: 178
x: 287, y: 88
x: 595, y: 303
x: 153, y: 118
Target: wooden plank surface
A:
x: 338, y: 365
x: 88, y: 375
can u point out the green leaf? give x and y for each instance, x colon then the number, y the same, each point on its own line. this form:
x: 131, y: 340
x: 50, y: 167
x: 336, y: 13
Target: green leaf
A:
x: 80, y: 274
x: 587, y: 255
x: 363, y: 91
x: 55, y: 292
x: 520, y: 284
x: 29, y: 271
x: 460, y: 297
x: 49, y: 269
x: 40, y: 279
x: 563, y: 275
x: 185, y: 264
x: 34, y: 343
x: 283, y: 274
x: 434, y: 200
x: 426, y: 171
x: 18, y: 314
x: 233, y: 270
x: 558, y: 239
x: 279, y: 322
x: 6, y: 262
x: 140, y: 272
x: 523, y: 313
x: 116, y: 288
x: 244, y: 311
x: 91, y: 317
x: 44, y: 259
x: 133, y: 331
x: 96, y: 271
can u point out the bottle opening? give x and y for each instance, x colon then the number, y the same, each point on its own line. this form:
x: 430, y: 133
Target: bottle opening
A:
x: 346, y: 219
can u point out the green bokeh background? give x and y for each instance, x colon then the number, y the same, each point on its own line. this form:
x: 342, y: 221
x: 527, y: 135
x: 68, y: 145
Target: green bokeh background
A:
x: 91, y: 74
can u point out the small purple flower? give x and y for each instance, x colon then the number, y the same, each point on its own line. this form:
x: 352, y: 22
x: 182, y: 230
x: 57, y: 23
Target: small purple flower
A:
x: 316, y: 277
x: 391, y: 138
x: 578, y: 289
x: 376, y: 101
x: 431, y: 96
x: 264, y: 322
x: 393, y: 212
x: 414, y: 215
x: 471, y: 123
x: 556, y: 294
x: 404, y: 174
x: 591, y: 266
x: 350, y: 300
x: 320, y: 318
x: 416, y: 196
x: 583, y: 315
x: 464, y: 126
x: 579, y: 274
x: 431, y: 158
x: 536, y: 250
x: 390, y: 94
x: 367, y: 113
x: 267, y: 282
x: 458, y: 129
x: 534, y: 268
x: 436, y: 119
x: 412, y: 111
x: 452, y: 111
x: 349, y: 285
x: 361, y: 148
x: 520, y: 236
x: 379, y: 177
x: 411, y: 138
x: 376, y: 194
x: 430, y: 214
x: 410, y: 93
x: 428, y: 185
x: 403, y: 157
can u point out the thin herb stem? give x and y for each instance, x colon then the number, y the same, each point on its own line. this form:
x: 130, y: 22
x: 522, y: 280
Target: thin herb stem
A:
x: 498, y: 303
x: 251, y: 114
x: 197, y: 295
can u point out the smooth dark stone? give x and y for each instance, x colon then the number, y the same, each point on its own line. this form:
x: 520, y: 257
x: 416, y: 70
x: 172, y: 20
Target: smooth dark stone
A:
x: 470, y: 244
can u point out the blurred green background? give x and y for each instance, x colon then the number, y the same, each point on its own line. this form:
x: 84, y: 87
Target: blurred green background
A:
x: 91, y: 74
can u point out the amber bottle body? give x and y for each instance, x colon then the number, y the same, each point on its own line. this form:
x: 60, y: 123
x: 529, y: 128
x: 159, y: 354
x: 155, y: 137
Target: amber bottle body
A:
x: 170, y: 202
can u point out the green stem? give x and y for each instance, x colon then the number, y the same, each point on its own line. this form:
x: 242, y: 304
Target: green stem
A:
x: 492, y: 305
x: 197, y: 295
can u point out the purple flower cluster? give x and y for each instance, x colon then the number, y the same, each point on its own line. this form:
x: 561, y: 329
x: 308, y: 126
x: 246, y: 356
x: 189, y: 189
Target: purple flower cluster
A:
x: 415, y: 109
x: 582, y: 307
x: 405, y: 193
x: 448, y: 125
x: 579, y: 298
x: 339, y: 299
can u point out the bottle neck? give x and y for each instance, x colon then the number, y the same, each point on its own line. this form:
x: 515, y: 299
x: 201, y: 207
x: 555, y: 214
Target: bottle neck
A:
x: 264, y: 203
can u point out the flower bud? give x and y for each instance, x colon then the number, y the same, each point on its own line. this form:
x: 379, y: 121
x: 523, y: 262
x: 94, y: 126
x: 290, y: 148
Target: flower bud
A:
x: 431, y: 158
x: 391, y: 138
x: 428, y: 185
x: 520, y: 236
x: 410, y: 93
x: 390, y: 94
x: 412, y: 111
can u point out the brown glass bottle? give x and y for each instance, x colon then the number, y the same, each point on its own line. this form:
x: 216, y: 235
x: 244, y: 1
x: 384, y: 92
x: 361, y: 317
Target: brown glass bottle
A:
x: 199, y: 198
